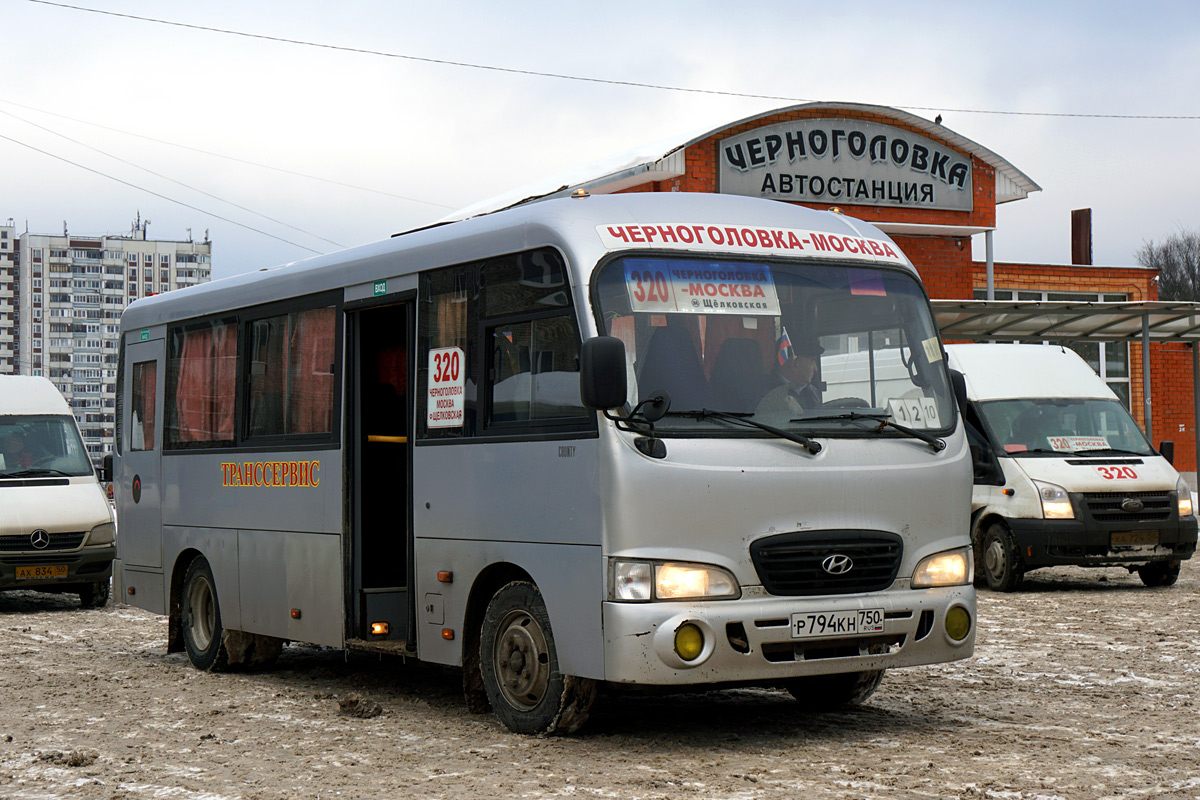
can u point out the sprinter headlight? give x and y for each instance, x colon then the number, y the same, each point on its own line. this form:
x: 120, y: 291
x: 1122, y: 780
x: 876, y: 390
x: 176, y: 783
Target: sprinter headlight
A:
x: 1056, y: 503
x: 671, y: 580
x: 951, y: 568
x: 1185, y: 498
x: 103, y: 534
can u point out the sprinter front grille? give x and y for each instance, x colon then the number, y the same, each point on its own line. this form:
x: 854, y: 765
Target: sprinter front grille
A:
x: 1112, y: 506
x: 23, y: 543
x: 827, y: 562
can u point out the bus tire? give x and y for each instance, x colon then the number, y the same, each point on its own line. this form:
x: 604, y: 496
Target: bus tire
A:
x: 1001, y: 564
x: 831, y: 692
x: 94, y: 595
x: 1159, y: 573
x: 203, y: 636
x: 519, y: 665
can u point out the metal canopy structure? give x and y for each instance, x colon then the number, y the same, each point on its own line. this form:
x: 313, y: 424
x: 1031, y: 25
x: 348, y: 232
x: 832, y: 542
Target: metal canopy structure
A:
x: 1060, y: 322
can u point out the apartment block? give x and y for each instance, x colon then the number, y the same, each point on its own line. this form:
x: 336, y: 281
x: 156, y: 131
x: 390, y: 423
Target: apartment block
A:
x: 61, y: 298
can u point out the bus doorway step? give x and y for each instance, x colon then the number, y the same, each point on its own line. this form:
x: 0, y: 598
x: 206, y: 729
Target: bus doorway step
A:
x: 391, y: 647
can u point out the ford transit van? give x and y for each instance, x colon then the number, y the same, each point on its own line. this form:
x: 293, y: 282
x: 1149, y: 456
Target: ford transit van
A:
x: 1063, y: 475
x: 57, y: 528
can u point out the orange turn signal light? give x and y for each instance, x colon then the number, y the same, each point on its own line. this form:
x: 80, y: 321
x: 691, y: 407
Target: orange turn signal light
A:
x: 448, y: 633
x: 380, y: 628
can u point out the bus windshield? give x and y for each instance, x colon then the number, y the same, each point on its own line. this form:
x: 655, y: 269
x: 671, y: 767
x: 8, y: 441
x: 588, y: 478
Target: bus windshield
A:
x: 31, y: 444
x: 797, y: 346
x: 1062, y: 425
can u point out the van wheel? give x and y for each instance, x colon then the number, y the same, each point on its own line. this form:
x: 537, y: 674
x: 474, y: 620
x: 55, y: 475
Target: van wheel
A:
x: 94, y: 595
x: 203, y: 636
x: 519, y: 666
x: 1159, y: 573
x: 1002, y: 567
x: 831, y: 692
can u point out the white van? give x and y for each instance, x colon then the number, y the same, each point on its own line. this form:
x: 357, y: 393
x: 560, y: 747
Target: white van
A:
x: 57, y: 528
x: 1063, y: 475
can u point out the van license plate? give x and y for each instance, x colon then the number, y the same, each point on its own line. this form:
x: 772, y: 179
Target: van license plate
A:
x: 1130, y: 538
x: 38, y: 573
x: 808, y: 625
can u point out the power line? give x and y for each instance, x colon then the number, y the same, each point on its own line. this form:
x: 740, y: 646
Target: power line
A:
x: 172, y: 180
x: 583, y: 78
x: 156, y: 194
x: 228, y: 157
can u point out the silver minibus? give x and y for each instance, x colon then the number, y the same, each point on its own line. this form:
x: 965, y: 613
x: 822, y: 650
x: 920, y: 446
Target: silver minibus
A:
x: 578, y: 444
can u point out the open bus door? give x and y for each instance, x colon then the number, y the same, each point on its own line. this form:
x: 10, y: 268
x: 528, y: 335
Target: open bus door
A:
x: 381, y: 543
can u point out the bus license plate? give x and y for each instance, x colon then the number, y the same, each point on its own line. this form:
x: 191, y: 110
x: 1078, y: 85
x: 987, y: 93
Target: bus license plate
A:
x: 808, y: 625
x: 38, y: 573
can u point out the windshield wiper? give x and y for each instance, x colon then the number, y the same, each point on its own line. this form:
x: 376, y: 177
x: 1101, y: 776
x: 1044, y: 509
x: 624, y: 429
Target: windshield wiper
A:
x: 884, y: 421
x: 34, y: 472
x: 1109, y: 450
x: 743, y: 418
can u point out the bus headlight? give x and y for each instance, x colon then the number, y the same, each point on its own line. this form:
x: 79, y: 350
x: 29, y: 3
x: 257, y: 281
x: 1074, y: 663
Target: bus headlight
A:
x: 1056, y: 503
x: 1185, y: 498
x: 102, y: 534
x: 951, y: 568
x: 671, y: 580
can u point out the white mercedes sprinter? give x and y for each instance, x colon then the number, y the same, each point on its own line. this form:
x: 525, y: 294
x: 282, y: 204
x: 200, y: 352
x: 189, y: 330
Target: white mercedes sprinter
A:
x: 1063, y: 475
x: 57, y: 528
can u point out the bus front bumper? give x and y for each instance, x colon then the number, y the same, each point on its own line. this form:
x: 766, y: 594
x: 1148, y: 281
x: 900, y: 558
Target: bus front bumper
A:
x: 751, y: 639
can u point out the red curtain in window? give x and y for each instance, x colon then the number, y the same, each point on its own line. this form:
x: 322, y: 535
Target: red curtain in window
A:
x: 148, y: 376
x: 205, y: 388
x: 310, y: 371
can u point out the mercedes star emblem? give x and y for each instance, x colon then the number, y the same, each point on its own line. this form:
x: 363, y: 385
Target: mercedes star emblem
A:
x: 39, y: 539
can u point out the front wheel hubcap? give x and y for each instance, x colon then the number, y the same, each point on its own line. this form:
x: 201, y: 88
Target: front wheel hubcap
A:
x: 522, y: 660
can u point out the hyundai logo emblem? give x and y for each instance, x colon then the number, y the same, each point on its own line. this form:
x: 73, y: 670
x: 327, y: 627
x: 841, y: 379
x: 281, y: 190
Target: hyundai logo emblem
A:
x: 39, y: 539
x: 837, y: 564
x: 1132, y: 505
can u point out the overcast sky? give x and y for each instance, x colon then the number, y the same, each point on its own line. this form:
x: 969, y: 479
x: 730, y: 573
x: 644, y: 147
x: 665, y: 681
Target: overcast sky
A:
x: 400, y: 142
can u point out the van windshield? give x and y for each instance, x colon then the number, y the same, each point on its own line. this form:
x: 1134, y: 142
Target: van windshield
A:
x: 41, y: 443
x: 781, y: 343
x: 1073, y: 425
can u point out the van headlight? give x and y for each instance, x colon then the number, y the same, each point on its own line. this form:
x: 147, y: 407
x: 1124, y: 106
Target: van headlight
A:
x: 643, y: 581
x: 950, y: 568
x: 1056, y: 503
x: 1185, y: 498
x: 102, y: 534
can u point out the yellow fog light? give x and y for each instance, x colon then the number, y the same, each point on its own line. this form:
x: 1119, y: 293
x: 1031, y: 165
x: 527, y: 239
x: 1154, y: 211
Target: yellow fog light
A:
x: 958, y: 623
x: 689, y: 642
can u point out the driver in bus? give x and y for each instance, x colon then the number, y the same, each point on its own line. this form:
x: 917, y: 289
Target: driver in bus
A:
x: 796, y: 369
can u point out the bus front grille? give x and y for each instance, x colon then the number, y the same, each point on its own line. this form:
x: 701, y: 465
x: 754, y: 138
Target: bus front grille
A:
x: 1150, y: 507
x: 827, y: 562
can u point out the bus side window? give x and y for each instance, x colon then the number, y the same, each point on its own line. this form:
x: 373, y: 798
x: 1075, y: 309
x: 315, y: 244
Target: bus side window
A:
x: 141, y: 426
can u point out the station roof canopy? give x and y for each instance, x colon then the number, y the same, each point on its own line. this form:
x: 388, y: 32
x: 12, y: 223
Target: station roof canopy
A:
x: 1037, y: 321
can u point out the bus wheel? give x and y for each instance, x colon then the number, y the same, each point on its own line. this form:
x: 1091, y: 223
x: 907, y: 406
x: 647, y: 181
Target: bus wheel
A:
x: 203, y: 636
x: 1001, y: 564
x: 831, y: 692
x: 1159, y: 573
x: 94, y: 595
x: 519, y: 665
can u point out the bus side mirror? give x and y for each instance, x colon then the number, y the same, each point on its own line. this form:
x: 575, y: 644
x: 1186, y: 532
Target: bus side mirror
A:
x: 602, y: 371
x: 1167, y: 451
x: 106, y: 468
x: 959, y: 384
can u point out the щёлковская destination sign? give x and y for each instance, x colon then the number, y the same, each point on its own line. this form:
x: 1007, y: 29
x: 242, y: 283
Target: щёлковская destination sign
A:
x: 845, y: 161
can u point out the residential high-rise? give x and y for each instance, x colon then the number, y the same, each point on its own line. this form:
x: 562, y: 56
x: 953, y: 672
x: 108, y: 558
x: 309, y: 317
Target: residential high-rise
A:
x: 63, y: 318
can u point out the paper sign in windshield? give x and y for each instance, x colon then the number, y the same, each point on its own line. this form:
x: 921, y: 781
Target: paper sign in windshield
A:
x: 663, y: 287
x: 1073, y: 444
